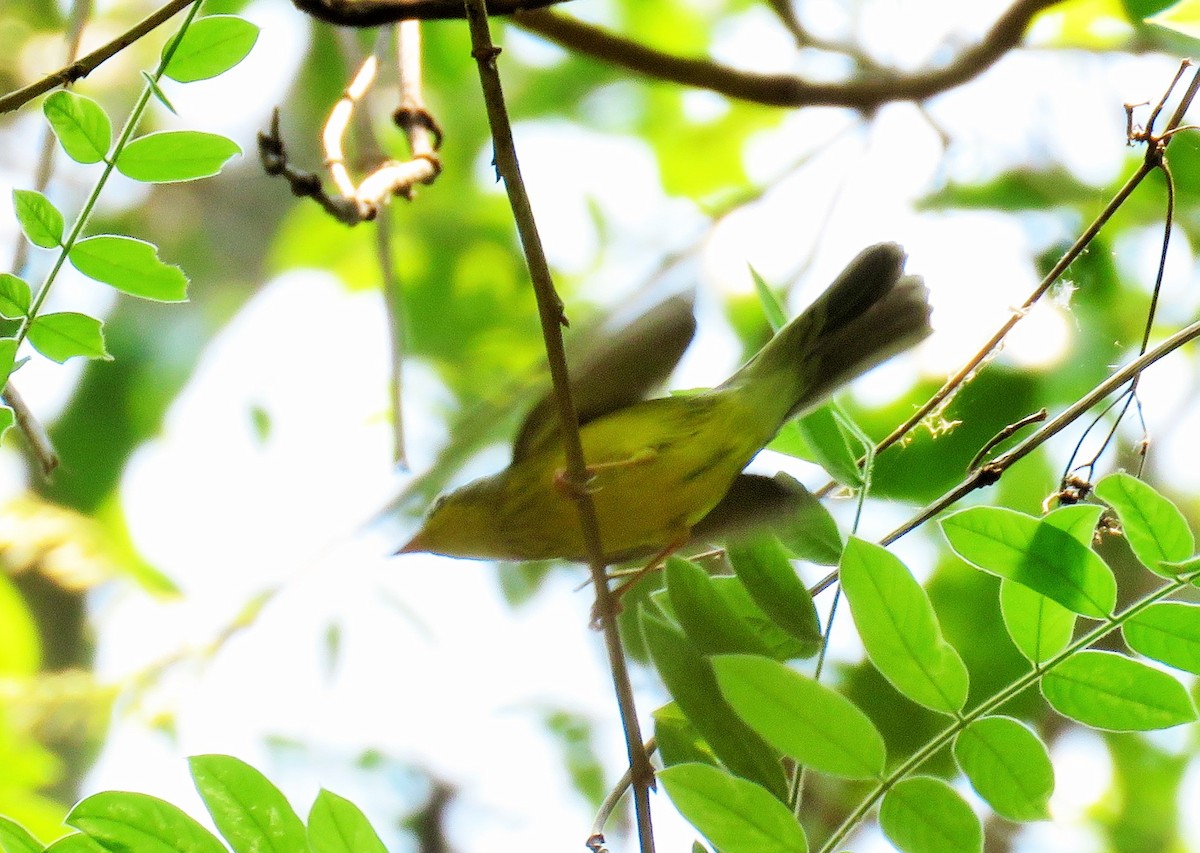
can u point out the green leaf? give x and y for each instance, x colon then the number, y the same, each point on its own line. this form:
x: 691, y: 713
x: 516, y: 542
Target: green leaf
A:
x: 121, y: 820
x: 830, y: 446
x: 780, y: 644
x: 14, y: 838
x: 336, y: 825
x: 705, y: 617
x: 1168, y: 632
x: 1183, y: 18
x: 735, y: 815
x: 689, y: 679
x: 1106, y: 690
x: 7, y: 419
x: 66, y: 335
x: 175, y: 155
x: 1156, y: 529
x: 8, y: 358
x: 15, y: 297
x: 678, y: 741
x: 81, y: 125
x: 157, y: 92
x: 76, y: 842
x: 766, y: 572
x: 210, y: 47
x: 1039, y: 626
x: 899, y: 628
x: 802, y: 718
x: 1078, y: 520
x: 1008, y: 766
x: 1037, y: 554
x: 251, y: 813
x: 131, y: 266
x: 811, y: 533
x: 925, y: 815
x: 771, y: 304
x: 39, y: 218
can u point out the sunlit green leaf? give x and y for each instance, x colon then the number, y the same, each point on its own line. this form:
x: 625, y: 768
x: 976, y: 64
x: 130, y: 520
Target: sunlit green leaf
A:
x: 175, y: 155
x: 1008, y: 766
x: 1168, y: 632
x: 158, y: 93
x: 81, y: 125
x: 15, y: 297
x: 20, y: 641
x: 1183, y: 18
x: 764, y: 568
x: 68, y: 334
x: 39, y: 218
x: 14, y: 838
x: 689, y: 678
x: 8, y: 358
x: 1024, y: 549
x: 678, y: 741
x: 1105, y: 690
x: 736, y: 815
x: 131, y: 266
x: 121, y: 820
x: 210, y: 47
x: 336, y: 825
x: 899, y: 628
x: 802, y: 718
x: 7, y: 419
x: 925, y: 815
x: 830, y: 446
x: 713, y: 626
x: 1040, y: 627
x: 1156, y: 529
x: 249, y: 811
x: 76, y: 842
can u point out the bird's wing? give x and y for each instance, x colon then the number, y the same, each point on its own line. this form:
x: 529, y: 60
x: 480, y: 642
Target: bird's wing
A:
x: 619, y: 372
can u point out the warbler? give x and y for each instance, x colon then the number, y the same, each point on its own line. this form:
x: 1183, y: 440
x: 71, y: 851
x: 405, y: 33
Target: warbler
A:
x: 664, y: 471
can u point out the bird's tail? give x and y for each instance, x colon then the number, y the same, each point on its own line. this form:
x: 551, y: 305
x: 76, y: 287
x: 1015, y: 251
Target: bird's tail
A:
x: 871, y: 312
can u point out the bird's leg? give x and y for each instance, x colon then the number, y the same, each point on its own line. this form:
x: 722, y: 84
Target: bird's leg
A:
x: 656, y: 563
x: 563, y: 483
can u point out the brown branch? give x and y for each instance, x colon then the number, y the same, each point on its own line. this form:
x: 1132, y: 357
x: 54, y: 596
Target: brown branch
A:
x: 374, y: 13
x: 550, y: 312
x: 86, y: 65
x: 786, y: 90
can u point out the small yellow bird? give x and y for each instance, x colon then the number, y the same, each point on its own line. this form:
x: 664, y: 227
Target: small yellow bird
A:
x: 668, y: 470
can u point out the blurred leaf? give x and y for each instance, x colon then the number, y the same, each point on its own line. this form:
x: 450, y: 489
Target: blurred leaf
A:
x: 14, y: 297
x: 1008, y: 766
x: 66, y: 335
x: 736, y: 815
x: 899, y: 628
x: 1168, y: 632
x: 8, y: 359
x: 81, y: 125
x: 1106, y: 690
x: 574, y: 732
x: 121, y: 820
x: 771, y: 304
x: 1024, y: 549
x: 1018, y: 190
x: 689, y: 678
x: 76, y: 843
x: 211, y: 46
x: 1156, y: 529
x: 1183, y: 18
x: 802, y: 718
x: 20, y: 643
x: 7, y: 419
x: 250, y: 812
x: 175, y: 155
x: 767, y: 574
x: 131, y: 266
x: 336, y: 825
x: 1039, y: 626
x: 39, y: 219
x: 925, y: 815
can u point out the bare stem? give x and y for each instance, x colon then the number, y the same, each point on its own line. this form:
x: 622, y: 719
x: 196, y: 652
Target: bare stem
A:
x: 550, y: 311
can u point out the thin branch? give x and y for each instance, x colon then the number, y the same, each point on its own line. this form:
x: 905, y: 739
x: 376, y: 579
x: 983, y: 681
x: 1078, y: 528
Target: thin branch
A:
x: 374, y: 13
x: 992, y: 471
x: 86, y: 65
x: 786, y: 90
x: 550, y: 311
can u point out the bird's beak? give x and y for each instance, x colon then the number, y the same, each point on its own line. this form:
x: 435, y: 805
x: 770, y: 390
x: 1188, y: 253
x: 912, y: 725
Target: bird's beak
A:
x: 414, y: 546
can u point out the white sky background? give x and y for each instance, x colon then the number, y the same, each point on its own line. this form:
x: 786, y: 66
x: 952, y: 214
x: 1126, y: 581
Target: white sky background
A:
x: 433, y: 668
